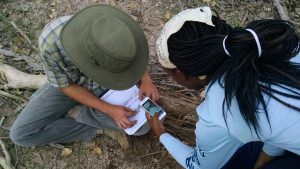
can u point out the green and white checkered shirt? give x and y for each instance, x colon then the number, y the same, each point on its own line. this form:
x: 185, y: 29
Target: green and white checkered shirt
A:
x: 61, y: 72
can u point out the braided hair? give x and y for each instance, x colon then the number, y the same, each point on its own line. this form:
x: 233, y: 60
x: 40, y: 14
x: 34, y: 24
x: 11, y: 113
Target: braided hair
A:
x: 197, y: 49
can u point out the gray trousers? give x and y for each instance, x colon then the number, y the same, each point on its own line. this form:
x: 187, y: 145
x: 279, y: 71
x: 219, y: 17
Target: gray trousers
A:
x: 44, y: 120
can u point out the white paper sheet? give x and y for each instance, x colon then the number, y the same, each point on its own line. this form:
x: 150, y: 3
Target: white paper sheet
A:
x: 128, y: 98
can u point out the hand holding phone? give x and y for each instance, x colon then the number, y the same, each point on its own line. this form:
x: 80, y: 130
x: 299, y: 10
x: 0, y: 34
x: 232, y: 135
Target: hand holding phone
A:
x: 149, y: 106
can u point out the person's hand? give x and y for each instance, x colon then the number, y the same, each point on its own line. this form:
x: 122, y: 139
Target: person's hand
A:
x: 120, y: 115
x: 147, y: 88
x: 262, y: 159
x: 156, y: 126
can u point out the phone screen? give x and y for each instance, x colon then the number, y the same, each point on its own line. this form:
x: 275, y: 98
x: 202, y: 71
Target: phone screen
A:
x: 152, y: 108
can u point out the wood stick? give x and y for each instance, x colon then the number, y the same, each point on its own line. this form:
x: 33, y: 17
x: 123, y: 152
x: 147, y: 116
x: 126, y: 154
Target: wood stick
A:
x: 244, y: 19
x: 5, y: 94
x: 5, y: 128
x: 172, y: 85
x: 149, y: 30
x: 281, y: 11
x: 180, y: 5
x: 5, y: 161
x: 29, y: 60
x: 158, y: 152
x: 2, y: 120
x: 19, y: 108
x: 24, y: 35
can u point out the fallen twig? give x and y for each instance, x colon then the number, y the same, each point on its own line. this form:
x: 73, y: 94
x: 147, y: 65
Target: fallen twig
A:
x: 172, y: 85
x: 149, y: 30
x: 17, y: 157
x: 158, y: 152
x: 148, y: 166
x: 5, y: 94
x: 59, y: 146
x: 2, y: 120
x: 19, y: 108
x: 180, y: 5
x: 5, y: 161
x: 29, y: 60
x: 24, y: 35
x: 164, y: 74
x: 245, y: 17
x: 281, y: 11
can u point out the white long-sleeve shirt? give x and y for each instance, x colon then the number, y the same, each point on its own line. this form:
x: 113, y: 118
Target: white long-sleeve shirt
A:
x: 216, y: 142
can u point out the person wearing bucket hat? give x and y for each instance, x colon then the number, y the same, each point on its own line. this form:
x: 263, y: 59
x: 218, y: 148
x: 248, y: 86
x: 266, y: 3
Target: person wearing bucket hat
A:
x: 98, y: 48
x: 250, y: 114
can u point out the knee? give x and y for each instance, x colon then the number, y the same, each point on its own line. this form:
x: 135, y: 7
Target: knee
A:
x: 17, y: 137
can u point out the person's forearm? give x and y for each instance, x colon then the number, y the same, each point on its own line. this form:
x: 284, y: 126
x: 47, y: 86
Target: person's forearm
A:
x: 179, y: 151
x: 146, y: 77
x: 85, y: 97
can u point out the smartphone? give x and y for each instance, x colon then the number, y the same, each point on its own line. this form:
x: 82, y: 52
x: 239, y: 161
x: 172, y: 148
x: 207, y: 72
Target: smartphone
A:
x: 149, y: 106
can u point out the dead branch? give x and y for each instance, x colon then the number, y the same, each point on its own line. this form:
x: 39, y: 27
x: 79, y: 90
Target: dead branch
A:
x: 5, y: 128
x: 2, y: 120
x: 5, y: 161
x: 149, y: 30
x: 17, y: 79
x: 158, y: 152
x: 180, y: 5
x: 19, y: 108
x: 281, y: 11
x: 159, y: 73
x: 29, y: 60
x: 58, y: 146
x: 181, y: 118
x: 245, y: 17
x: 23, y: 35
x: 171, y: 85
x: 5, y: 94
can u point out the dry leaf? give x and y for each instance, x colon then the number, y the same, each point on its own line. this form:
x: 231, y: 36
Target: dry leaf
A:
x: 50, y: 16
x: 132, y: 5
x: 213, y: 3
x: 168, y: 15
x: 66, y: 152
x: 206, y: 1
x: 113, y: 3
x: 92, y: 145
x: 97, y: 151
x: 52, y: 4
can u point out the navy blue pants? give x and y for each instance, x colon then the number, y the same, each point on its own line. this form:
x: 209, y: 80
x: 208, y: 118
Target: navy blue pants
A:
x: 246, y: 156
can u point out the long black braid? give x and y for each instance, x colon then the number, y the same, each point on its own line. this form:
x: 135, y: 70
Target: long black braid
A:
x: 197, y: 49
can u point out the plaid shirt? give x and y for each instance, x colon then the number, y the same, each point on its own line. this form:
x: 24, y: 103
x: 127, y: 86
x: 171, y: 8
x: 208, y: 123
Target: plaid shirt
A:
x: 60, y: 71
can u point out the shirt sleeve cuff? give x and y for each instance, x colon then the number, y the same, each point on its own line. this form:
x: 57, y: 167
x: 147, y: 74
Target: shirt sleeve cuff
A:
x: 272, y: 150
x: 165, y: 137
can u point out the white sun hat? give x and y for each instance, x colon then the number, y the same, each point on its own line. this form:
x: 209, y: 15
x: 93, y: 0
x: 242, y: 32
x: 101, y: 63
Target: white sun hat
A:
x: 202, y: 14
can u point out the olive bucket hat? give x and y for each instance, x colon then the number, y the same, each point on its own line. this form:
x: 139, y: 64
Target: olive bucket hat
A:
x: 107, y: 45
